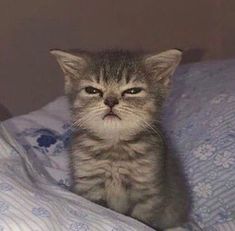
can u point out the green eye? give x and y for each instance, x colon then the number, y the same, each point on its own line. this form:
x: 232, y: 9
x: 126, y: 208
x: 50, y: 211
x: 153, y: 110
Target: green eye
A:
x: 93, y: 91
x: 132, y: 91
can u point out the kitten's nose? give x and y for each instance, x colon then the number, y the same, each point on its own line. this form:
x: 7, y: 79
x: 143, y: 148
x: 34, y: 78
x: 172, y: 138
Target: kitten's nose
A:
x: 111, y: 101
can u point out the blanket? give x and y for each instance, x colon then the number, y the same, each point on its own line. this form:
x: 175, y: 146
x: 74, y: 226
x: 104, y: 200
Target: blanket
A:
x: 31, y: 201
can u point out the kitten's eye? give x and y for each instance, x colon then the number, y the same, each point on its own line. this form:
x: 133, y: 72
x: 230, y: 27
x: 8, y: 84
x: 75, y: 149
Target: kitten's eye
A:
x: 132, y: 91
x: 93, y: 91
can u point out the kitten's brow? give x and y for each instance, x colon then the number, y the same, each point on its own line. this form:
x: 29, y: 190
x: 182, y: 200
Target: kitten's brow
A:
x: 91, y: 82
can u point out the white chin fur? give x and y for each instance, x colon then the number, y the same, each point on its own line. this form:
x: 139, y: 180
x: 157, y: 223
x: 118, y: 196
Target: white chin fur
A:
x: 112, y: 128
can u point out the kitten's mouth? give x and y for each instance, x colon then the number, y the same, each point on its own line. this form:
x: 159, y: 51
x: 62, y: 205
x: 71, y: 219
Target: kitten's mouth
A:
x: 111, y: 115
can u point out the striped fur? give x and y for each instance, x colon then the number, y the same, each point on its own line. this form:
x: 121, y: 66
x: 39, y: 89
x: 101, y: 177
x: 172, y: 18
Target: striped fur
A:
x: 123, y: 162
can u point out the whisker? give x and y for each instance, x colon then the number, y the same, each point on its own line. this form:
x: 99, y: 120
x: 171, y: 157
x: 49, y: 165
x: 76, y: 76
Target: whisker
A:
x: 125, y: 109
x: 153, y: 129
x: 147, y: 125
x: 87, y: 117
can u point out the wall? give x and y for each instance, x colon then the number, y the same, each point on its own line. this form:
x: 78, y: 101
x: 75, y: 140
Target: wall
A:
x: 29, y: 76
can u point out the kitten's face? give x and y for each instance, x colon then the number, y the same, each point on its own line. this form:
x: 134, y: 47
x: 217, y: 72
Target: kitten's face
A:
x: 115, y: 94
x: 113, y: 107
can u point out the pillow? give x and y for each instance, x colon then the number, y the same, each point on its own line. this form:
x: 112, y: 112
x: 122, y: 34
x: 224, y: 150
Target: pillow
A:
x: 199, y: 119
x: 199, y: 122
x: 45, y: 135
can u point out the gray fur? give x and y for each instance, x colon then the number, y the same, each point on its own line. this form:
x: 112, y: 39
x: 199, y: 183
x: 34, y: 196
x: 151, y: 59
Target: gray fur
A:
x: 124, y: 163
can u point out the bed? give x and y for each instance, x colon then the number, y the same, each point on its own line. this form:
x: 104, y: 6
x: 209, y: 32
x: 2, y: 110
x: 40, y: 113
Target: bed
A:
x: 199, y: 122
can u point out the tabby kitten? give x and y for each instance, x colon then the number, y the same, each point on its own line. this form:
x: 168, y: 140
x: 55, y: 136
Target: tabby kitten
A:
x: 119, y: 158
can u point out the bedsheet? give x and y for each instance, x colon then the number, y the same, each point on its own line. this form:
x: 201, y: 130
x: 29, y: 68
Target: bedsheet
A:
x: 30, y: 201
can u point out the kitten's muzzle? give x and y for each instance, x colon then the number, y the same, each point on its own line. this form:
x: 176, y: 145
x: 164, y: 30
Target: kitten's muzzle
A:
x: 111, y: 114
x: 111, y: 101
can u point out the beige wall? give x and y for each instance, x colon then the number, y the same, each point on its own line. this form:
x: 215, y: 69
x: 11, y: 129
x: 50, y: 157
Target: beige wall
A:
x: 29, y: 77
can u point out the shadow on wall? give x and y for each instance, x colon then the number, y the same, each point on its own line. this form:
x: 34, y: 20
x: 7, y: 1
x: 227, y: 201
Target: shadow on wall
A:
x: 193, y: 55
x: 4, y: 113
x: 189, y: 56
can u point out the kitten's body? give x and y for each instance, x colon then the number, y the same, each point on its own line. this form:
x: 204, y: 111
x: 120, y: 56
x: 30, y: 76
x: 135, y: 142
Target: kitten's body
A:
x: 121, y: 160
x: 122, y: 177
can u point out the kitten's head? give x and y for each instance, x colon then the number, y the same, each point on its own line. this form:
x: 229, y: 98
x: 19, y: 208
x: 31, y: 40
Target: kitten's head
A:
x: 116, y: 93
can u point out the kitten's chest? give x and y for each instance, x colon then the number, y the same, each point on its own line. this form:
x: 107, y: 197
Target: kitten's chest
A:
x: 127, y: 163
x: 114, y: 170
x: 118, y: 184
x: 118, y: 173
x: 119, y: 163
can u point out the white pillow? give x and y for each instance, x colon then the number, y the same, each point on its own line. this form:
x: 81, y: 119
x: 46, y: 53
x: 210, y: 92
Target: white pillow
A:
x: 45, y: 134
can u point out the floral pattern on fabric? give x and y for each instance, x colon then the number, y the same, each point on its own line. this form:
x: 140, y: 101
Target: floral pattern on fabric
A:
x: 200, y: 123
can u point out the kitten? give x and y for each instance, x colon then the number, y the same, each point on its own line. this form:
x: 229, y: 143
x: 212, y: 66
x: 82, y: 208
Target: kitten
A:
x: 119, y: 158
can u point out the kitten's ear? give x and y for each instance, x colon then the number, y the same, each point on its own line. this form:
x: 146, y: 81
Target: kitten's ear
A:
x: 71, y: 65
x: 162, y: 66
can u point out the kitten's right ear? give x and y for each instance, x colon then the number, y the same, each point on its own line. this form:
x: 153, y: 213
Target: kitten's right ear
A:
x: 71, y: 65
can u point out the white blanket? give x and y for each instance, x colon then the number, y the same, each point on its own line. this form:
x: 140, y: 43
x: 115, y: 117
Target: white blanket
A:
x: 30, y: 201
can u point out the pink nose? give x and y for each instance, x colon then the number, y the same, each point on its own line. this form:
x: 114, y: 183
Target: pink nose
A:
x: 111, y: 101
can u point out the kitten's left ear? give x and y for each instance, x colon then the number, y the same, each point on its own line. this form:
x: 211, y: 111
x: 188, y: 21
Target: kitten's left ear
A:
x: 162, y: 66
